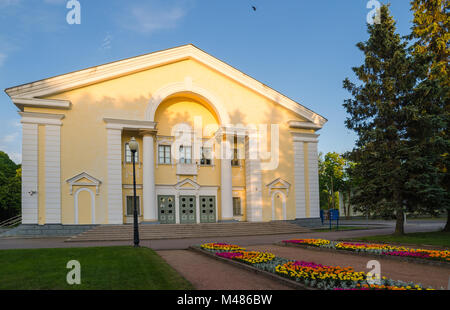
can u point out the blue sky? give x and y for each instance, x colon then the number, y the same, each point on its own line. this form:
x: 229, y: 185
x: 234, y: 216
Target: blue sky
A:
x: 301, y: 48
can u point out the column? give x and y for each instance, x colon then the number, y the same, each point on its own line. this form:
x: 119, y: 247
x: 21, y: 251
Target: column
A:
x: 313, y: 174
x: 29, y: 173
x: 253, y: 183
x: 52, y: 174
x: 226, y: 195
x: 306, y: 175
x: 114, y: 159
x: 299, y: 179
x: 150, y: 207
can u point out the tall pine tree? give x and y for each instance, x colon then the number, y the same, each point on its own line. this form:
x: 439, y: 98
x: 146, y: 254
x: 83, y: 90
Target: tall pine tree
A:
x: 378, y: 116
x: 429, y: 131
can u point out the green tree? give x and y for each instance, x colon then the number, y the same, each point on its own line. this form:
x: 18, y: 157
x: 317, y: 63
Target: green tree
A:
x: 331, y: 173
x: 378, y: 116
x: 429, y: 129
x: 10, y: 187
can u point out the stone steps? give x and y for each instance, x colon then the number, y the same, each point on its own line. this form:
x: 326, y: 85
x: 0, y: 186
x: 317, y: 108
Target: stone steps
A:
x: 179, y: 231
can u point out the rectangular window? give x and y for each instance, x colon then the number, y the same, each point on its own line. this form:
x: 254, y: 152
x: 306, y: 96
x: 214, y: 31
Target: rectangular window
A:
x: 130, y: 206
x: 164, y: 154
x: 206, y: 156
x: 237, y: 206
x: 185, y: 155
x: 128, y: 154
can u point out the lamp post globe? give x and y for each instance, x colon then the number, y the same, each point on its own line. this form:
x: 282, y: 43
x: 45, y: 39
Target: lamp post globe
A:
x: 133, y: 145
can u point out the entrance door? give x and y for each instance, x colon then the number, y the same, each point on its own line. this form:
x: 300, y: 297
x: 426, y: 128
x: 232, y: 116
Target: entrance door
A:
x: 207, y: 209
x: 166, y: 209
x: 187, y: 210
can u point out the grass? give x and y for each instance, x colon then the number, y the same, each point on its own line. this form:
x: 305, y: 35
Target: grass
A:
x: 325, y: 229
x: 436, y: 238
x: 105, y: 268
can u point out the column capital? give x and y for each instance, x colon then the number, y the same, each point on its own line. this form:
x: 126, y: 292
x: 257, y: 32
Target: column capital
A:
x: 148, y: 132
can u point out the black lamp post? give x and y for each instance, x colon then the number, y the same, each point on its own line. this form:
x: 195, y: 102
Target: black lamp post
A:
x: 133, y: 148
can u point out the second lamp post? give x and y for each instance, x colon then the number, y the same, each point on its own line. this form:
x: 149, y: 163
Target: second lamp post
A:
x: 133, y: 148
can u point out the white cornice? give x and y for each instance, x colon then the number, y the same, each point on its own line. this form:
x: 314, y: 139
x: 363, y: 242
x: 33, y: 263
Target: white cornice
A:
x: 116, y: 69
x: 114, y: 123
x: 41, y: 118
x: 304, y: 125
x: 42, y: 103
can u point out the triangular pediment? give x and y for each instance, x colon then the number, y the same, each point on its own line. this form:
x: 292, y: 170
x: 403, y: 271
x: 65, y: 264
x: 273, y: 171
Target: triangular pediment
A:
x: 83, y: 179
x: 187, y: 184
x: 31, y: 94
x: 279, y: 183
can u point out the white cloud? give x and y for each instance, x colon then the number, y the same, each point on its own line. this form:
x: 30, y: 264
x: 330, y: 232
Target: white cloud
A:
x: 15, y: 157
x: 152, y: 17
x: 10, y: 138
x: 2, y: 58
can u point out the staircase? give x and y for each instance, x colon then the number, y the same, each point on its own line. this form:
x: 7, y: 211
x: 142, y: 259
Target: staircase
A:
x: 179, y: 231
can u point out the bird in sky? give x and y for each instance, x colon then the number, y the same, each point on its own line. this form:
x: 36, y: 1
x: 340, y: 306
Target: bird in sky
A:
x: 254, y: 8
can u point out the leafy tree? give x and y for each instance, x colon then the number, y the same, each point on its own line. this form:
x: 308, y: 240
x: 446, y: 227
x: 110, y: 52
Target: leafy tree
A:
x: 431, y: 116
x: 331, y: 173
x: 378, y: 116
x: 10, y: 187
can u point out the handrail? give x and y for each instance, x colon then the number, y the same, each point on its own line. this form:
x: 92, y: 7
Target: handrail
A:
x: 11, y: 221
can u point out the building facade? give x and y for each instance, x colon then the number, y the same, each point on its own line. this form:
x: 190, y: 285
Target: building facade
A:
x: 214, y: 145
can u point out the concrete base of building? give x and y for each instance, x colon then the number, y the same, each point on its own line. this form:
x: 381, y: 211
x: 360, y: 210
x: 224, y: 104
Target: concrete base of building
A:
x: 307, y: 222
x: 49, y: 230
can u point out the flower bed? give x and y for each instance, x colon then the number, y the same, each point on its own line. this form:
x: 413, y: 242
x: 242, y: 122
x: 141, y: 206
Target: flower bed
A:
x: 308, y: 274
x: 222, y: 247
x: 380, y: 249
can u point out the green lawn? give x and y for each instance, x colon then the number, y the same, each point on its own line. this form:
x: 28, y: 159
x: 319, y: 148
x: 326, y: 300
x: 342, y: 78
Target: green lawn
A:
x: 107, y: 268
x: 437, y: 238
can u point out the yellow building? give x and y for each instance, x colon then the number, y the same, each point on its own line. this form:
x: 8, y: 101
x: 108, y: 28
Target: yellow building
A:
x: 214, y: 144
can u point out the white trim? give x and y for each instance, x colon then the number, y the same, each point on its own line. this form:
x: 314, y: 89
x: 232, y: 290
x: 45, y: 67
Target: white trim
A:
x: 52, y: 174
x: 104, y: 72
x: 73, y: 181
x: 114, y: 123
x: 283, y: 198
x: 284, y: 185
x: 179, y: 185
x: 41, y: 118
x: 182, y: 88
x: 21, y: 103
x: 77, y: 192
x: 303, y: 125
x: 30, y: 169
x: 130, y: 186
